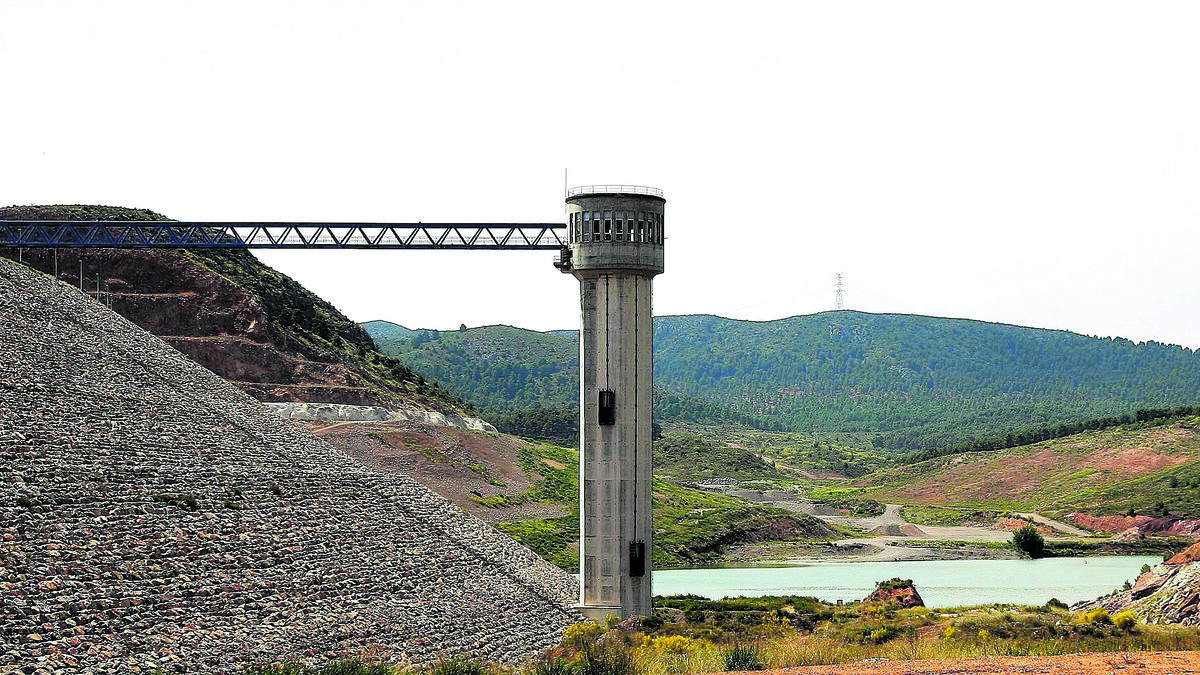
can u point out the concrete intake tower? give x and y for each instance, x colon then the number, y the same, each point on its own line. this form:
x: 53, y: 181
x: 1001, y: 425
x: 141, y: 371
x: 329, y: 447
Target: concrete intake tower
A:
x: 615, y: 248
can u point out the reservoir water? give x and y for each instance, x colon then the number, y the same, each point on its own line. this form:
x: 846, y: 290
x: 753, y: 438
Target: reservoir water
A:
x: 941, y: 583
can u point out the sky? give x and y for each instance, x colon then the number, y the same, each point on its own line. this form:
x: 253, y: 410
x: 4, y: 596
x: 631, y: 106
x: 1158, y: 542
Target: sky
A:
x: 1033, y: 163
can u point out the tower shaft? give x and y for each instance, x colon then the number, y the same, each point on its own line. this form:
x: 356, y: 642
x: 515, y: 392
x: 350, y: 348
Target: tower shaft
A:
x: 616, y: 249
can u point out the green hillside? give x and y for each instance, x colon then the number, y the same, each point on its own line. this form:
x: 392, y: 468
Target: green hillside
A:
x: 523, y: 381
x: 690, y: 526
x: 899, y: 381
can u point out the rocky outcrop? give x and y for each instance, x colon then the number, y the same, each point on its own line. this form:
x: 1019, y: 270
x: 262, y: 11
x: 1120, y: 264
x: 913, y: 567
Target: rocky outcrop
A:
x: 329, y: 412
x: 1168, y: 593
x: 899, y: 592
x: 154, y: 516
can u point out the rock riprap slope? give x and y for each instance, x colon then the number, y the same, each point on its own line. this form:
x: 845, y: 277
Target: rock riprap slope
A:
x: 154, y: 516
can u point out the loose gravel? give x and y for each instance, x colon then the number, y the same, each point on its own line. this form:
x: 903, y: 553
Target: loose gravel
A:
x: 154, y: 516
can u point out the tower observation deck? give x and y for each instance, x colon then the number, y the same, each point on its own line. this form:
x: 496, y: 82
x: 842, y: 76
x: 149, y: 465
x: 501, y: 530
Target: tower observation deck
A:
x: 615, y: 248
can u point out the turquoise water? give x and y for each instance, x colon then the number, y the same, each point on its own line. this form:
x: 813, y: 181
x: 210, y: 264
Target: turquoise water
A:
x: 941, y: 583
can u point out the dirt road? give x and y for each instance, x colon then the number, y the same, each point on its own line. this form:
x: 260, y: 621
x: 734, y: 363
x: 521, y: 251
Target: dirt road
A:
x: 1143, y: 663
x: 1057, y: 525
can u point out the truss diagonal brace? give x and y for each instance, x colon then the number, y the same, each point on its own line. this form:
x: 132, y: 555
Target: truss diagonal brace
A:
x: 201, y: 235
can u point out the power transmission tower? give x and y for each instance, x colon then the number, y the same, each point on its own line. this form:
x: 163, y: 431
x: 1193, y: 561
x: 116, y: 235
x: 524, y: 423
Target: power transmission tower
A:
x: 839, y: 291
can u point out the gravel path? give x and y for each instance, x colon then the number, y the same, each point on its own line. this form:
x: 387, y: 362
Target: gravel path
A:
x: 291, y: 547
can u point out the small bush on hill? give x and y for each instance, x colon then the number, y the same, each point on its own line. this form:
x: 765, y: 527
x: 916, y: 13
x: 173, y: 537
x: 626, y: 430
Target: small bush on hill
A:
x: 551, y: 663
x: 1125, y: 620
x: 611, y: 658
x: 582, y: 634
x: 742, y: 657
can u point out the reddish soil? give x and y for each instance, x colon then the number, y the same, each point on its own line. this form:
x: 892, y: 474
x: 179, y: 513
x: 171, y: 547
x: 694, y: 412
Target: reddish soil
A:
x: 1014, y: 524
x: 1145, y: 525
x: 1148, y: 663
x: 1190, y: 555
x: 1112, y: 524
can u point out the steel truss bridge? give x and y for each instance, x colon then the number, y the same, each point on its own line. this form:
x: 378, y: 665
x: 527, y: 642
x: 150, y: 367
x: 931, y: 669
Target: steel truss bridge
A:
x: 213, y: 235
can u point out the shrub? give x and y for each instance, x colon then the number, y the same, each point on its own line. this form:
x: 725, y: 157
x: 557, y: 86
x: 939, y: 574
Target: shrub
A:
x: 582, y: 634
x: 950, y: 632
x: 551, y: 663
x: 653, y: 622
x: 742, y: 657
x: 1098, y: 615
x: 694, y: 616
x: 1055, y: 603
x: 609, y: 659
x: 672, y: 644
x: 1029, y: 540
x: 882, y: 635
x: 1125, y: 620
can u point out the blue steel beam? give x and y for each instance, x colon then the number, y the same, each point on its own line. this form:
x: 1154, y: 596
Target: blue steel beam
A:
x: 196, y: 235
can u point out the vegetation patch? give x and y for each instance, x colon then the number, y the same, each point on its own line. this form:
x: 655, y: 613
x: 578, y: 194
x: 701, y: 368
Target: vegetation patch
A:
x: 941, y: 516
x: 554, y: 539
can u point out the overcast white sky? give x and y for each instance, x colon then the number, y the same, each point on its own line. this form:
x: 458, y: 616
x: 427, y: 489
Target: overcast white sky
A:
x: 1035, y: 163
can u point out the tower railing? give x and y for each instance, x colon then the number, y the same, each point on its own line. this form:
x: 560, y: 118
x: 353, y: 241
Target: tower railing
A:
x: 614, y: 189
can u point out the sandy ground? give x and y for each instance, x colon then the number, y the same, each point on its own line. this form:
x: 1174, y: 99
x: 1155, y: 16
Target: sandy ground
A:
x: 1147, y: 663
x: 885, y: 541
x: 886, y: 538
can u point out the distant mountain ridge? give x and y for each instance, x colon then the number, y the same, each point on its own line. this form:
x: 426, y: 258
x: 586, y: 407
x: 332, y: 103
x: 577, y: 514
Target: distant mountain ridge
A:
x: 909, y: 381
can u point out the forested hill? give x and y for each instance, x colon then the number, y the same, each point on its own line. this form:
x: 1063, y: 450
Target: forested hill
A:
x: 911, y: 381
x: 917, y: 381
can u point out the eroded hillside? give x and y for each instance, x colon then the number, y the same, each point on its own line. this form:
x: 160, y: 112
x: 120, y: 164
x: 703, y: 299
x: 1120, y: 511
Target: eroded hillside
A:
x: 235, y: 316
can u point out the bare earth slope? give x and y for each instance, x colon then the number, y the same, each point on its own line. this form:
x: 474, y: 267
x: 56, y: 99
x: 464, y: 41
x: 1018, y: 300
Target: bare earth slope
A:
x: 458, y: 464
x: 1105, y: 471
x: 153, y: 515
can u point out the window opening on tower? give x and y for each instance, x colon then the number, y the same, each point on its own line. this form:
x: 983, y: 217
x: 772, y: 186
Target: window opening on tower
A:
x: 637, y: 558
x: 607, y: 414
